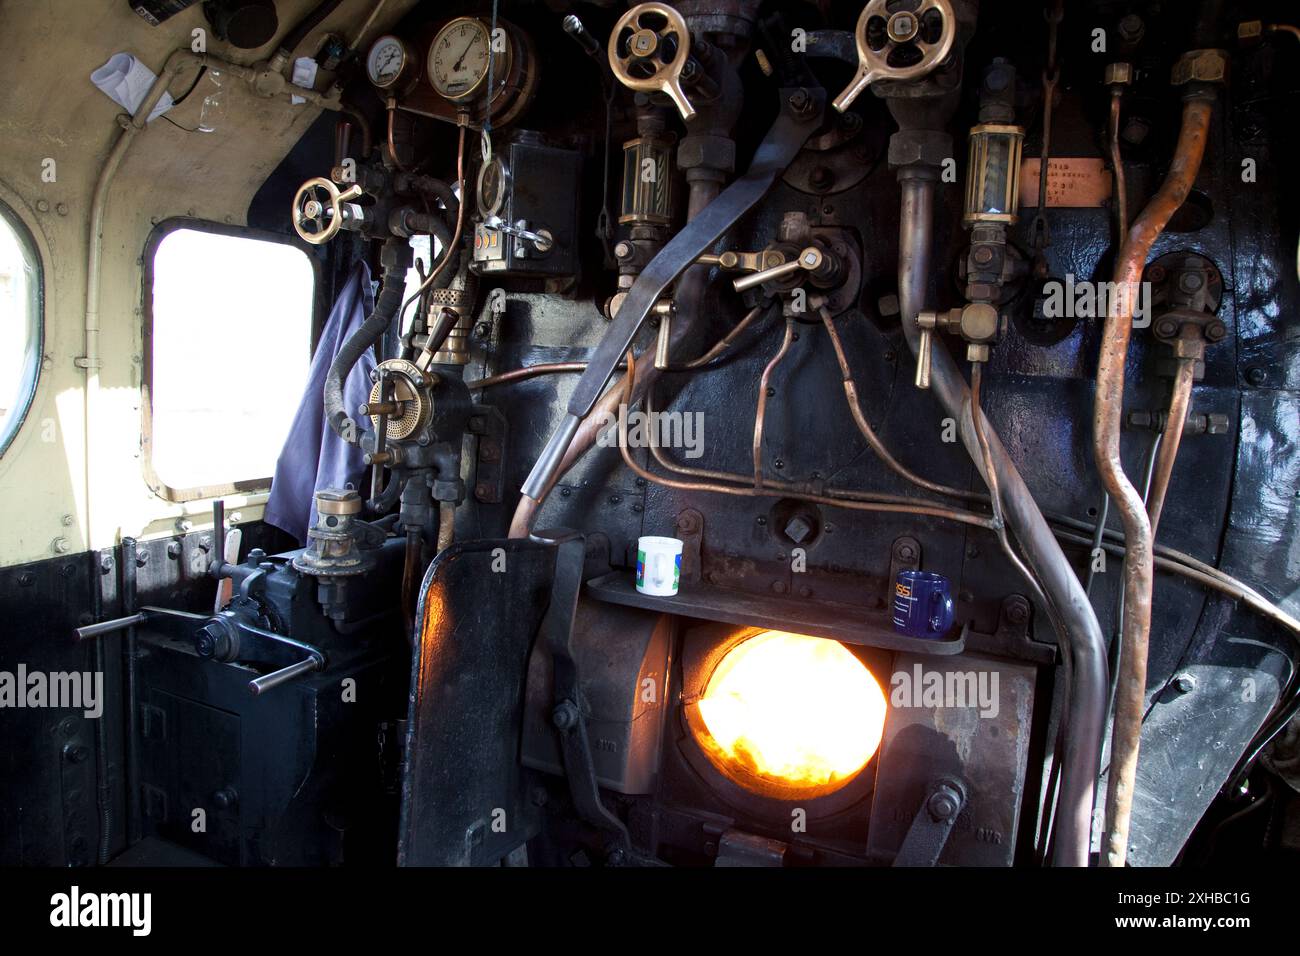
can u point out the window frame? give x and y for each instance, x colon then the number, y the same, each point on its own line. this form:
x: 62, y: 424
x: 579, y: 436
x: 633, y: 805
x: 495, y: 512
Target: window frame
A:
x: 27, y: 237
x: 160, y: 232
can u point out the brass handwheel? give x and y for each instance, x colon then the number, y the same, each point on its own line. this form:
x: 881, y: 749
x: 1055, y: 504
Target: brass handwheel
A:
x: 904, y: 37
x: 318, y: 210
x: 648, y: 49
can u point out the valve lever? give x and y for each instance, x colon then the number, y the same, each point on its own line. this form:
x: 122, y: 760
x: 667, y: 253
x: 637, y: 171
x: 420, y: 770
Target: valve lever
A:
x: 901, y: 28
x: 648, y: 50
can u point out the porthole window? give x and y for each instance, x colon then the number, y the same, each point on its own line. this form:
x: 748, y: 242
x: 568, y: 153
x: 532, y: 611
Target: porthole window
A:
x: 21, y: 307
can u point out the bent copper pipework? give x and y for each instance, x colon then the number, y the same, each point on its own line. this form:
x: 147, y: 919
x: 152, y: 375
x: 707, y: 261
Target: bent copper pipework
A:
x: 745, y: 491
x: 760, y: 412
x: 1117, y: 161
x: 869, y: 433
x: 1180, y: 404
x: 1107, y: 412
x: 1083, y: 647
x: 554, y: 368
x: 687, y: 297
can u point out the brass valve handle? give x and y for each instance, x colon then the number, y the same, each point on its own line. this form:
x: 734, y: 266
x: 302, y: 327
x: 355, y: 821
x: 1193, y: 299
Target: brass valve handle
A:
x: 648, y: 50
x: 809, y: 260
x: 318, y: 209
x: 901, y: 29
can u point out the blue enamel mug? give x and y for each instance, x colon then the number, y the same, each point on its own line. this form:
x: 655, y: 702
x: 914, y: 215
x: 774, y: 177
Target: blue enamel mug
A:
x: 922, y: 604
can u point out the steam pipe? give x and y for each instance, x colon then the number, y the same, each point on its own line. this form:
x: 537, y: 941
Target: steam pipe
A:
x: 1107, y: 413
x: 1085, y: 649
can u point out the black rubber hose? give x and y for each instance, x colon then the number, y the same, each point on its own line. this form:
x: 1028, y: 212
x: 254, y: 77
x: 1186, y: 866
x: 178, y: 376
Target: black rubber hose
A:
x: 308, y: 23
x: 431, y: 186
x: 397, y: 258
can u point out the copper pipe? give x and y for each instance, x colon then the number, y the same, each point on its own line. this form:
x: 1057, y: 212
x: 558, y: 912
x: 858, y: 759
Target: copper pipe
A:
x: 554, y: 368
x: 686, y: 297
x: 1107, y: 413
x: 1117, y: 161
x: 933, y: 511
x: 1179, y: 405
x: 760, y: 412
x: 1284, y: 28
x: 882, y: 452
x: 722, y: 345
x: 995, y: 494
x: 527, y: 372
x: 446, y: 524
x: 447, y: 254
x: 392, y: 148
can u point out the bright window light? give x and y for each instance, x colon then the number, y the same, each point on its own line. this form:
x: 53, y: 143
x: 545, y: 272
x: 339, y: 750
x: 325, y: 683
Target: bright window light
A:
x: 20, y: 324
x: 231, y: 342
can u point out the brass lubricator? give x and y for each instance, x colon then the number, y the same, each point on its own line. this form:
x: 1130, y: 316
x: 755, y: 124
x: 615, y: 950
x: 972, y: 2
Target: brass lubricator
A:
x: 900, y: 29
x: 406, y: 407
x: 649, y: 49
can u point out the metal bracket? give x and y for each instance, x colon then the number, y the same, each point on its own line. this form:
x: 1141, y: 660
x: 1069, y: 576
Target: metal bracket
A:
x: 932, y: 825
x: 491, y: 429
x: 690, y: 528
x: 904, y: 556
x: 569, y: 715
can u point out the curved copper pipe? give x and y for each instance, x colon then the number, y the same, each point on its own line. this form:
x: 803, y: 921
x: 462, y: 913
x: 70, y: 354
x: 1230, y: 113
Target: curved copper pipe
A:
x: 869, y: 433
x: 933, y: 511
x: 760, y: 412
x: 1179, y: 405
x: 1107, y: 413
x: 554, y: 368
x: 1117, y: 162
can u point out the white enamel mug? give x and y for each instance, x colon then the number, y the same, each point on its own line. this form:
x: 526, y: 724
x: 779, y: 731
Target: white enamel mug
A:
x: 658, y: 565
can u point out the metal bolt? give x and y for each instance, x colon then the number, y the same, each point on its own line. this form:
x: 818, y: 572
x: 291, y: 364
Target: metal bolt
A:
x: 1136, y: 130
x: 565, y: 716
x: 1256, y: 375
x: 779, y: 587
x: 1185, y: 683
x: 1131, y: 28
x: 944, y: 803
x: 1017, y: 610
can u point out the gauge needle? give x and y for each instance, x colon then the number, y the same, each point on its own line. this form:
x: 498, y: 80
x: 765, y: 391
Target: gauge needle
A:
x: 456, y: 66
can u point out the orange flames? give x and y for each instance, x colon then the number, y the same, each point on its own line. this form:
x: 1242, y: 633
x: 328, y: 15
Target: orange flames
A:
x: 800, y: 713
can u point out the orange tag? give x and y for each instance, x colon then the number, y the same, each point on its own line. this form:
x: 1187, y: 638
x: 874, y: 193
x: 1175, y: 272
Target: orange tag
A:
x: 1075, y: 183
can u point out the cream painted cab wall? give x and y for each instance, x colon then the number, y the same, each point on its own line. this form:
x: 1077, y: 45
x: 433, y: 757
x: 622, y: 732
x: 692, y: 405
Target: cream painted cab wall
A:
x: 64, y: 488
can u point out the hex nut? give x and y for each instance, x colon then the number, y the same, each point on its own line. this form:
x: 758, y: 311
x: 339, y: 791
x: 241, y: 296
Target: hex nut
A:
x: 1118, y: 74
x: 1201, y: 66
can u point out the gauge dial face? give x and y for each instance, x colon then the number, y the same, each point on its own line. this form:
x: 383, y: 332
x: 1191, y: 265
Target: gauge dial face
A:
x: 387, y: 61
x: 493, y: 178
x: 459, y: 56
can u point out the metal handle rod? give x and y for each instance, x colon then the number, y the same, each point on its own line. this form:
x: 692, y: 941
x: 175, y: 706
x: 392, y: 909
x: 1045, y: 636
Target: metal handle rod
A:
x: 260, y: 685
x: 108, y: 627
x: 767, y: 275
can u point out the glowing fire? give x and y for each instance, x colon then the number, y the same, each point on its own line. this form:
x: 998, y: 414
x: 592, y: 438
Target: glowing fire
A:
x: 798, y: 712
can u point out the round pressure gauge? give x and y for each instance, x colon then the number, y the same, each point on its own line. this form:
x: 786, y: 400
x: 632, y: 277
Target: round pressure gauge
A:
x: 387, y: 62
x: 460, y: 56
x: 493, y: 185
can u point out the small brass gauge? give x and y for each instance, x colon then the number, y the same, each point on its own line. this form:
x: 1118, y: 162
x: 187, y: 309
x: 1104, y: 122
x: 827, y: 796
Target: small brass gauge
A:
x: 459, y: 59
x: 493, y: 186
x: 389, y: 63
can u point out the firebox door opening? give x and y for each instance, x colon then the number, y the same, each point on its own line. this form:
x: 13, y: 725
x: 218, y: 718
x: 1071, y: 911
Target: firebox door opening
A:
x: 788, y: 716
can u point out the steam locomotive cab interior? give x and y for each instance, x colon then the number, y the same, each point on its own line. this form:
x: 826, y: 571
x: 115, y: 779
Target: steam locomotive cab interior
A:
x: 558, y: 434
